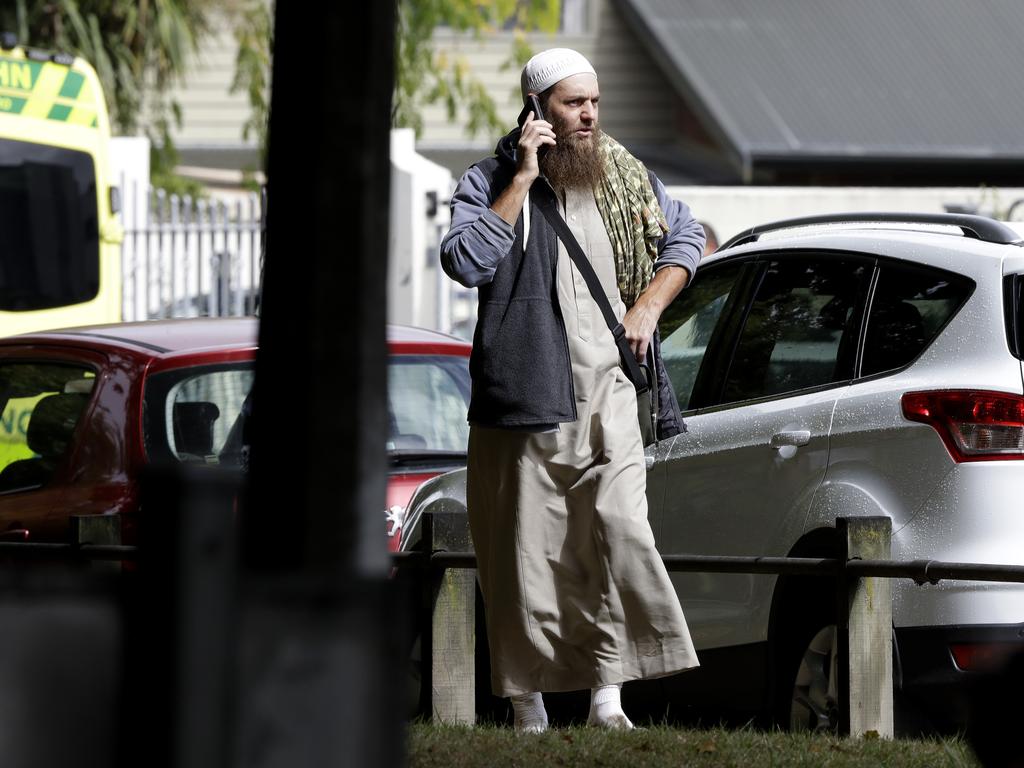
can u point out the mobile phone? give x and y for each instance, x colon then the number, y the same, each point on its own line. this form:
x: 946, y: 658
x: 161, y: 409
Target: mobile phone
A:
x: 530, y: 104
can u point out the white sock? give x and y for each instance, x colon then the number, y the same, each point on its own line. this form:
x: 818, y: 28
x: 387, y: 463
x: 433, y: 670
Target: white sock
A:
x: 606, y: 708
x: 530, y: 715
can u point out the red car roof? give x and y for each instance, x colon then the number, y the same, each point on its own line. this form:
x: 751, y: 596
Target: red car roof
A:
x: 158, y: 337
x: 165, y: 338
x: 409, y: 334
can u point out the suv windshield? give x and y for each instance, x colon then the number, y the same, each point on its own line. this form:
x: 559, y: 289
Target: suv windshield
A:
x: 48, y: 214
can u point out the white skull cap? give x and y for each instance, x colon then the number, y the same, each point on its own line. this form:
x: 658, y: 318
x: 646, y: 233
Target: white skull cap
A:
x: 548, y: 67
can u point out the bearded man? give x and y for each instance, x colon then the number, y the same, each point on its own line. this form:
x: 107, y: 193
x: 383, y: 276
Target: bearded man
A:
x: 575, y: 594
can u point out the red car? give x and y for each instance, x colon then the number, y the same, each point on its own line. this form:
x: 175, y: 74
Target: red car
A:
x: 428, y: 396
x: 83, y: 410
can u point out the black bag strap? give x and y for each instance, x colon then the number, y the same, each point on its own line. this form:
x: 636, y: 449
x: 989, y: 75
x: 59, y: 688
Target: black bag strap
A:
x: 546, y: 203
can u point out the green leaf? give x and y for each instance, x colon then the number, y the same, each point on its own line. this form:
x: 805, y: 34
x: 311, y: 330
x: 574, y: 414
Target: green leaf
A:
x: 423, y: 77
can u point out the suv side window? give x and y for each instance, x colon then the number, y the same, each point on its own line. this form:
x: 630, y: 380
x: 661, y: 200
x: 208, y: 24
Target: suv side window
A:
x: 802, y: 327
x: 909, y: 308
x: 687, y: 325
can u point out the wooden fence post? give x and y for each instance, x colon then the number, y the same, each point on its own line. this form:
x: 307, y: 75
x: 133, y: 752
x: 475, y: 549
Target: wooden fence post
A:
x: 865, y: 632
x: 97, y: 529
x: 453, y: 636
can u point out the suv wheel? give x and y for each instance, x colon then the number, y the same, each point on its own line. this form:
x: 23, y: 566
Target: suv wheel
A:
x: 814, y: 701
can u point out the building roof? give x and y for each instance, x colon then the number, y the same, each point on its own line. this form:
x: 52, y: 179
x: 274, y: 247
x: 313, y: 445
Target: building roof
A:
x: 917, y: 80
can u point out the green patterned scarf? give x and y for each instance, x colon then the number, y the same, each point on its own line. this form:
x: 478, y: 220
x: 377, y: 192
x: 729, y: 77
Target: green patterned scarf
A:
x: 632, y: 216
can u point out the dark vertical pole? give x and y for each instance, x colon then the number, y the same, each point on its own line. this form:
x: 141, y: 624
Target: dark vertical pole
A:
x: 179, y: 619
x: 318, y: 457
x: 426, y: 618
x: 315, y: 683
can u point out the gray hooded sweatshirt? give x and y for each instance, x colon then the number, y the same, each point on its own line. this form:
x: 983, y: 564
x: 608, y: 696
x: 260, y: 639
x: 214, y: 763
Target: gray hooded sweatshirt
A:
x: 520, y: 362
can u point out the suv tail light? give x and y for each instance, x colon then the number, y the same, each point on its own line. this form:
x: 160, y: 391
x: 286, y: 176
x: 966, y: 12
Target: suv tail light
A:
x: 974, y: 425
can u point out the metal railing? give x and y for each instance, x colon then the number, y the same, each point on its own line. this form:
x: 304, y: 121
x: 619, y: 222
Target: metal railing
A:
x: 861, y: 583
x: 90, y: 538
x: 38, y: 550
x: 861, y: 579
x: 919, y: 571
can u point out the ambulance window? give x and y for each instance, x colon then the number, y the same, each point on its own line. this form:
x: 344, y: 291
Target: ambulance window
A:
x: 49, y: 228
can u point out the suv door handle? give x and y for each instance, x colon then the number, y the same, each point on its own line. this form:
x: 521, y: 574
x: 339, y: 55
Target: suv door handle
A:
x: 14, y: 534
x: 796, y: 438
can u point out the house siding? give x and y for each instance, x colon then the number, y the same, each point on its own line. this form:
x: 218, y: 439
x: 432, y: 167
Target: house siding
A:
x: 637, y: 103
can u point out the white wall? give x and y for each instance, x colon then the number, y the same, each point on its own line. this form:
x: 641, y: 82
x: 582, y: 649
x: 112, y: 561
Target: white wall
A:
x: 129, y: 167
x: 639, y: 100
x: 730, y: 210
x: 212, y: 116
x: 418, y: 291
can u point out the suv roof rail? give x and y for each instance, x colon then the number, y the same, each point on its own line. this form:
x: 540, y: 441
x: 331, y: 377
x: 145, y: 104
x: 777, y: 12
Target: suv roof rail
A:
x: 978, y: 227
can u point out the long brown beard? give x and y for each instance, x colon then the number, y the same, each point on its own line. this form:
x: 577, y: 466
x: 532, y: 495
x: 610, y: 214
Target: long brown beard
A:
x: 573, y: 163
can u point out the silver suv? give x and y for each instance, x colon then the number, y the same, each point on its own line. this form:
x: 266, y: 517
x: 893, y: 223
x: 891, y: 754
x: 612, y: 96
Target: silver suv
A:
x: 864, y: 364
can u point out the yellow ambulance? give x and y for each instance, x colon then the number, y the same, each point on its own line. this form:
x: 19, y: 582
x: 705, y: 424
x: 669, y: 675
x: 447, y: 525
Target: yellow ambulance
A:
x: 60, y: 243
x: 60, y: 253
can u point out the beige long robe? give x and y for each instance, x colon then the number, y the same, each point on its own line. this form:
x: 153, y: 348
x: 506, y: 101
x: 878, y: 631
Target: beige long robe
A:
x: 575, y: 593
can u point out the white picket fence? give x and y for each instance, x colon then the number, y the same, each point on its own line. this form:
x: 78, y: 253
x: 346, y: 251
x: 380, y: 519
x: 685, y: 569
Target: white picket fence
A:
x: 184, y: 257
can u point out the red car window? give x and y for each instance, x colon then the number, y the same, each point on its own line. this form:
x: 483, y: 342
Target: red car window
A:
x: 196, y: 414
x: 428, y: 396
x: 40, y: 406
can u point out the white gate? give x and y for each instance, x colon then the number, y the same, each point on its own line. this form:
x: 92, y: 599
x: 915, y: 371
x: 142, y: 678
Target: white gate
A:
x: 183, y: 257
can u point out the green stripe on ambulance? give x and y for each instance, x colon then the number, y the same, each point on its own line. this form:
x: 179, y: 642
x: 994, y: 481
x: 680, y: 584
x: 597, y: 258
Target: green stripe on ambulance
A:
x: 72, y: 85
x: 57, y: 104
x: 12, y: 104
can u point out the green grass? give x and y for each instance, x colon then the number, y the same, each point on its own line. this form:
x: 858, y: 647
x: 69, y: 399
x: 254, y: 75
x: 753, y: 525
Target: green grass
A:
x: 433, y: 746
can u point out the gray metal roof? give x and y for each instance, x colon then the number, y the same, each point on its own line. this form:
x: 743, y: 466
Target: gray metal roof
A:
x: 846, y: 79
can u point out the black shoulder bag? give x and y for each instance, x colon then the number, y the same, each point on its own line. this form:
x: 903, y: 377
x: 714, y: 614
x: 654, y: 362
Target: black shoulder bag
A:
x: 640, y: 374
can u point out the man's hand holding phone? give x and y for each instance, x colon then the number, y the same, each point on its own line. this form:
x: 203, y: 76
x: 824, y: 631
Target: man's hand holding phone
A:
x: 535, y: 135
